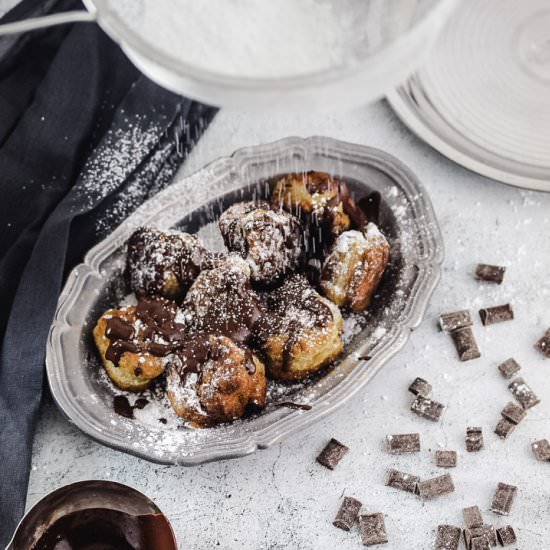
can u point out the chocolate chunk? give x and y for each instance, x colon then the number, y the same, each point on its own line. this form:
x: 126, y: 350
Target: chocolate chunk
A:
x: 490, y: 532
x: 427, y: 408
x: 525, y: 396
x: 449, y: 322
x: 474, y: 439
x: 482, y: 532
x: 373, y: 529
x: 514, y: 413
x: 402, y: 481
x: 420, y: 387
x: 445, y: 459
x: 490, y: 273
x: 509, y: 367
x: 403, y: 443
x: 543, y: 345
x: 472, y: 517
x: 504, y: 428
x: 503, y: 499
x: 332, y: 454
x: 506, y: 535
x: 435, y: 487
x: 347, y: 514
x: 541, y: 450
x: 479, y: 543
x: 465, y: 344
x: 448, y: 537
x: 496, y: 314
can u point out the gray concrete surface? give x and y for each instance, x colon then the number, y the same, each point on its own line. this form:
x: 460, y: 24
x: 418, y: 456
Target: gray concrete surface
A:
x: 280, y: 498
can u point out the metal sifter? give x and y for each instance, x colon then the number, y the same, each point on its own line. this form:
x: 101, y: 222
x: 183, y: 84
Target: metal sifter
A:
x: 383, y: 42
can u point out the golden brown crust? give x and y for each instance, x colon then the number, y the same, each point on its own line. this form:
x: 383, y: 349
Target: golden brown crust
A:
x: 164, y: 263
x: 214, y: 381
x: 134, y: 371
x: 302, y: 332
x: 354, y: 267
x: 318, y: 194
x: 268, y: 239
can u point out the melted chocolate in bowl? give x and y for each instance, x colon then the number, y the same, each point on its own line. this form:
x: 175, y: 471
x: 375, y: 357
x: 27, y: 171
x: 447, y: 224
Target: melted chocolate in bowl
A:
x: 94, y: 515
x: 105, y: 529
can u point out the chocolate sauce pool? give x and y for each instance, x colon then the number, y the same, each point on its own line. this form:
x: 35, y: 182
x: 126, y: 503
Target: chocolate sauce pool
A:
x: 104, y: 529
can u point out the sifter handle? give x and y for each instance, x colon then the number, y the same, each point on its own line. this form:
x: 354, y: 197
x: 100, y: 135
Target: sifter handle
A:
x: 47, y: 21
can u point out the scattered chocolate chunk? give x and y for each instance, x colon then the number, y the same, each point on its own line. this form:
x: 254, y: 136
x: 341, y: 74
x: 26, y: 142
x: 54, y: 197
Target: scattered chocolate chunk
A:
x: 503, y: 499
x: 506, y: 535
x: 490, y: 273
x: 484, y: 531
x: 479, y: 543
x: 445, y: 459
x: 427, y: 408
x: 403, y: 443
x: 448, y: 537
x: 472, y: 517
x: 543, y: 345
x: 490, y: 532
x: 333, y: 452
x: 514, y: 413
x: 525, y: 396
x: 402, y: 481
x: 449, y: 322
x: 465, y: 344
x: 420, y: 387
x: 435, y: 487
x: 373, y: 529
x: 496, y: 314
x: 541, y: 450
x: 347, y: 514
x: 509, y: 367
x: 474, y: 439
x: 504, y: 428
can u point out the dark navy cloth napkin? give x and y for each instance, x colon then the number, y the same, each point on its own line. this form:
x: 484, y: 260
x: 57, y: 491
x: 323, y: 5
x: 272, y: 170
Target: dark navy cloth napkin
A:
x: 84, y: 139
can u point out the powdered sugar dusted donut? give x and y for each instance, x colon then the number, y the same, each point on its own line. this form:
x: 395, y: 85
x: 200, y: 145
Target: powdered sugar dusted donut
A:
x: 133, y: 341
x: 270, y: 241
x: 354, y: 267
x: 301, y: 331
x: 164, y: 263
x: 324, y: 200
x: 222, y: 301
x: 213, y: 380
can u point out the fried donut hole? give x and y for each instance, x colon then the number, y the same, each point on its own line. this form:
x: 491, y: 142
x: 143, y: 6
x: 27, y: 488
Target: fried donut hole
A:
x: 352, y: 270
x: 117, y: 337
x: 269, y: 240
x: 222, y: 301
x: 214, y: 380
x: 301, y: 333
x: 323, y: 197
x: 163, y: 263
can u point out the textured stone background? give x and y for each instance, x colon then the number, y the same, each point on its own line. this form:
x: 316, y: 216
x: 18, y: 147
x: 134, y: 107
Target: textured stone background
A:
x: 280, y: 498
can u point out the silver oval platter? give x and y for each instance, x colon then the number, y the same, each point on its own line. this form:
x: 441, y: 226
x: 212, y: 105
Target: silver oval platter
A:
x: 84, y: 393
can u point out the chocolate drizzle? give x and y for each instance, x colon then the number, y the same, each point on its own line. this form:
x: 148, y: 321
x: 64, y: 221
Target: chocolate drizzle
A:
x: 122, y: 406
x: 222, y: 302
x: 291, y: 309
x: 200, y: 348
x: 158, y: 333
x: 105, y: 529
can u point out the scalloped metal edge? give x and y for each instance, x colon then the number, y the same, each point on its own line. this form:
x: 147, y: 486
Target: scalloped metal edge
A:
x: 289, y: 422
